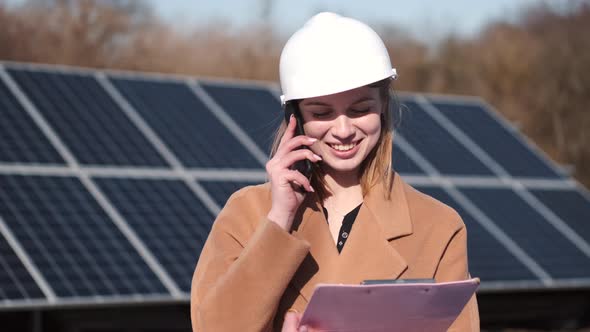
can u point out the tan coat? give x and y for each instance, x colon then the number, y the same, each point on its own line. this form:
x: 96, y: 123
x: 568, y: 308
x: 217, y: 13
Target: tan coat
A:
x: 251, y: 271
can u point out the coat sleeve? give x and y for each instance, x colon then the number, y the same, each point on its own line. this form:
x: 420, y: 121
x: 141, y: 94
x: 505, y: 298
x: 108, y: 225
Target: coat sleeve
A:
x: 244, y: 268
x: 453, y: 266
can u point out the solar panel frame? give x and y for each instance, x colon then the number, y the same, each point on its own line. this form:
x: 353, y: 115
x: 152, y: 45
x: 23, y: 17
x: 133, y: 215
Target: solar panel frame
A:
x: 510, y: 129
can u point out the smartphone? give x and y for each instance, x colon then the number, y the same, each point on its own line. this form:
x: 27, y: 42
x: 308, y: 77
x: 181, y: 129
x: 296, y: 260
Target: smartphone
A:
x: 397, y: 281
x: 303, y: 166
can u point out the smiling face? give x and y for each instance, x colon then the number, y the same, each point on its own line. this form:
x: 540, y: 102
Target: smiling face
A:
x: 347, y: 126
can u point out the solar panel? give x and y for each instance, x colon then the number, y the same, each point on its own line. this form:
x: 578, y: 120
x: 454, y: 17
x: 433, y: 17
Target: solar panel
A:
x: 15, y: 281
x: 495, y: 139
x: 185, y: 124
x: 402, y: 163
x: 20, y: 140
x: 86, y: 118
x: 553, y: 252
x: 489, y: 260
x: 167, y: 216
x: 220, y: 191
x: 220, y: 132
x: 71, y: 240
x: 436, y: 144
x: 572, y: 206
x: 255, y: 109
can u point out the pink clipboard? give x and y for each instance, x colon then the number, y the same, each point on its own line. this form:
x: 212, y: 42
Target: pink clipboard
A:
x: 404, y: 307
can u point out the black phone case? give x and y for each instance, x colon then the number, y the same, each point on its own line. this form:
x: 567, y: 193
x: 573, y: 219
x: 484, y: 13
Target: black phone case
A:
x: 303, y: 166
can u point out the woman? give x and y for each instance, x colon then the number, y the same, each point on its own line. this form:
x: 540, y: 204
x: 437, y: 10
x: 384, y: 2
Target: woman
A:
x: 353, y: 219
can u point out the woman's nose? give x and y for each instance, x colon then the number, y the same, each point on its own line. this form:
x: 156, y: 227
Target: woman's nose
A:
x: 343, y: 127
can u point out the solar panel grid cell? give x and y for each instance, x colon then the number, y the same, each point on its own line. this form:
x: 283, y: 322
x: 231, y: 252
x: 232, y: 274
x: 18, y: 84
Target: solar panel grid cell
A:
x: 168, y: 218
x: 571, y: 206
x: 489, y: 260
x: 21, y: 141
x: 71, y: 240
x: 86, y: 119
x: 185, y: 124
x: 441, y: 149
x: 222, y: 190
x: 402, y: 163
x: 256, y: 110
x: 550, y: 249
x: 15, y: 281
x: 475, y: 121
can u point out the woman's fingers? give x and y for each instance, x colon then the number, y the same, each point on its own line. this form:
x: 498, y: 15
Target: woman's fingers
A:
x: 279, y: 163
x: 290, y: 131
x: 287, y: 144
x: 291, y: 322
x: 293, y: 144
x: 298, y: 141
x: 294, y: 156
x: 293, y: 177
x: 280, y: 172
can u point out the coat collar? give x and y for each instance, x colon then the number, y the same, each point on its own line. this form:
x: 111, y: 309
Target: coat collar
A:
x: 368, y: 253
x: 392, y: 215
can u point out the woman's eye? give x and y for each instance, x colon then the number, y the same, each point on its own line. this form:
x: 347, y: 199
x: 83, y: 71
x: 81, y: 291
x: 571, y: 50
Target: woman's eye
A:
x: 361, y: 111
x: 321, y: 115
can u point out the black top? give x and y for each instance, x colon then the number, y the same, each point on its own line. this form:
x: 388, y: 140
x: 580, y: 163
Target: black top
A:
x: 347, y: 222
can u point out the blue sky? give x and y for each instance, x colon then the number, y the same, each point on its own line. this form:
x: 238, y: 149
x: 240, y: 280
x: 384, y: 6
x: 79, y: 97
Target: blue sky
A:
x: 426, y: 19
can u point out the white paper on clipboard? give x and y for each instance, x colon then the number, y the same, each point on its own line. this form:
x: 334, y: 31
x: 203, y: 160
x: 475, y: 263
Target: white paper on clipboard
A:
x: 404, y: 307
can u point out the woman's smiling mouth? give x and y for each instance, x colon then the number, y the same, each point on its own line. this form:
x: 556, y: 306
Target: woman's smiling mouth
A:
x: 344, y: 147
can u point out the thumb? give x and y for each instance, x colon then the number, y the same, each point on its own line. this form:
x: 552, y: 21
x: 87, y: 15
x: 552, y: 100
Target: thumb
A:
x: 291, y: 321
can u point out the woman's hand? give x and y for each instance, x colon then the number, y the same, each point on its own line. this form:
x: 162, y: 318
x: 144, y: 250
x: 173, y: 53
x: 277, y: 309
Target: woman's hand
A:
x: 284, y: 181
x: 292, y: 321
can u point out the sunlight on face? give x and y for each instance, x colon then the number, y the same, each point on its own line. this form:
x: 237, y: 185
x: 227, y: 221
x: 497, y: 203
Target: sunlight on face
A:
x: 346, y: 124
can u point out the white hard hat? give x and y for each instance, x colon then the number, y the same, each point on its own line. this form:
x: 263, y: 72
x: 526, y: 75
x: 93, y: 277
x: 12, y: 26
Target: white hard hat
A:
x: 331, y: 54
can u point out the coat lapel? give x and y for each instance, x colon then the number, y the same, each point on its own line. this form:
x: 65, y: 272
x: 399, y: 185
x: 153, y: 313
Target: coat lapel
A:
x: 314, y: 229
x: 368, y: 253
x: 392, y: 215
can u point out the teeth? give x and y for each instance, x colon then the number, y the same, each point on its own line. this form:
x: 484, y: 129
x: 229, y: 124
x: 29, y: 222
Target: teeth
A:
x: 343, y: 147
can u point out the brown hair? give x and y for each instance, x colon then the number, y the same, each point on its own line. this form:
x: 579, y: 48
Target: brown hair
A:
x: 377, y: 166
